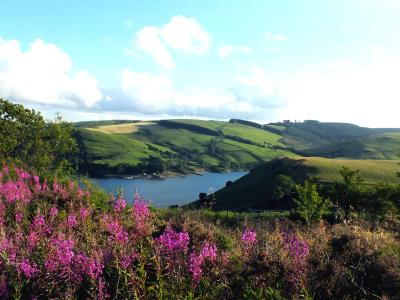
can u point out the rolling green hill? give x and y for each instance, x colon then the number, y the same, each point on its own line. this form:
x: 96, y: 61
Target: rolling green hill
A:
x: 187, y: 145
x: 256, y: 189
x: 122, y: 147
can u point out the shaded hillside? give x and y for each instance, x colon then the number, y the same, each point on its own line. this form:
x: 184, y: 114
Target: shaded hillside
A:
x: 312, y: 134
x: 377, y: 146
x: 256, y: 190
x: 175, y: 145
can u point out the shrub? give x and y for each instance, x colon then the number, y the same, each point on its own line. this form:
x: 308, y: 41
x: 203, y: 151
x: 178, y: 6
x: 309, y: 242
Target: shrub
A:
x: 310, y: 206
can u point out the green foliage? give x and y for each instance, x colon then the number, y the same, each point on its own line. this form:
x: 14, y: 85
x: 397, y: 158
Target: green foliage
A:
x: 254, y: 190
x: 98, y: 197
x: 262, y: 293
x: 310, y: 206
x: 349, y: 190
x: 283, y: 186
x: 381, y: 200
x: 27, y: 139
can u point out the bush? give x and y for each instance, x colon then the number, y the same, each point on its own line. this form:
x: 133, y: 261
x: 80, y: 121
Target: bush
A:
x: 310, y: 206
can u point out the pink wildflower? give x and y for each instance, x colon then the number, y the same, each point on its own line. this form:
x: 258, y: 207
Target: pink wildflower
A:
x: 298, y: 252
x: 61, y: 253
x: 126, y: 260
x: 28, y: 269
x: 71, y: 220
x: 101, y: 289
x: 38, y: 221
x: 84, y: 212
x: 249, y: 240
x: 141, y: 214
x: 38, y: 187
x: 119, y: 205
x: 207, y: 253
x: 173, y: 242
x: 80, y: 193
x: 18, y: 217
x: 119, y: 234
x: 53, y: 212
x: 195, y: 263
x: 94, y: 268
x: 33, y: 238
x: 45, y: 187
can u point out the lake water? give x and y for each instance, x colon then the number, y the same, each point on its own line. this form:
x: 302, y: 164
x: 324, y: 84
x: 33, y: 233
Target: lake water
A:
x: 170, y: 191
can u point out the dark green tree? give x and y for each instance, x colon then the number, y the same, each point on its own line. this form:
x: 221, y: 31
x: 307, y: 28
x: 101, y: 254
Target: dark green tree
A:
x: 349, y: 192
x: 156, y: 165
x: 283, y: 186
x: 28, y: 140
x: 381, y: 201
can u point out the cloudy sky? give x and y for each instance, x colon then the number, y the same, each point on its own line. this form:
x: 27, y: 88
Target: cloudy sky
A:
x: 258, y: 60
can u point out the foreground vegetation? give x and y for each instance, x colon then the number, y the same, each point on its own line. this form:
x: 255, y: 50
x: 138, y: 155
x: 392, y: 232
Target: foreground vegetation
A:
x: 258, y: 189
x: 61, y: 241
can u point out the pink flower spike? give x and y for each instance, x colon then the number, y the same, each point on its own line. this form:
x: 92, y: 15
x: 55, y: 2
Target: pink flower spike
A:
x: 28, y: 269
x: 172, y: 242
x: 120, y: 205
x: 249, y: 238
x: 53, y: 212
x: 38, y: 221
x: 18, y: 217
x: 72, y: 221
x: 84, y: 213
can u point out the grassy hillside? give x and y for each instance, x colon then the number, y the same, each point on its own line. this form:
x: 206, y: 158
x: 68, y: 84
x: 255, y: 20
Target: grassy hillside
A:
x: 185, y: 145
x: 255, y: 190
x: 312, y: 134
x: 179, y: 145
x: 377, y: 146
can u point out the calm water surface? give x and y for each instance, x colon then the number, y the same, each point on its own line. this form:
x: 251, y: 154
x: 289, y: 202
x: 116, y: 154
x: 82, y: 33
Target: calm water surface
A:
x: 170, y: 191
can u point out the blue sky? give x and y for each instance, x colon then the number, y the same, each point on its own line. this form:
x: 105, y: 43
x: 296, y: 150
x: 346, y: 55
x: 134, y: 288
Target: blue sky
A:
x: 259, y: 60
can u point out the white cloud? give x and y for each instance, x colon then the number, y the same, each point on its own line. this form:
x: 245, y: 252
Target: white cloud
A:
x: 186, y: 34
x: 227, y: 50
x: 42, y: 74
x: 181, y: 33
x: 148, y: 39
x: 257, y: 88
x: 275, y: 37
x: 367, y: 94
x: 258, y: 80
x: 156, y: 94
